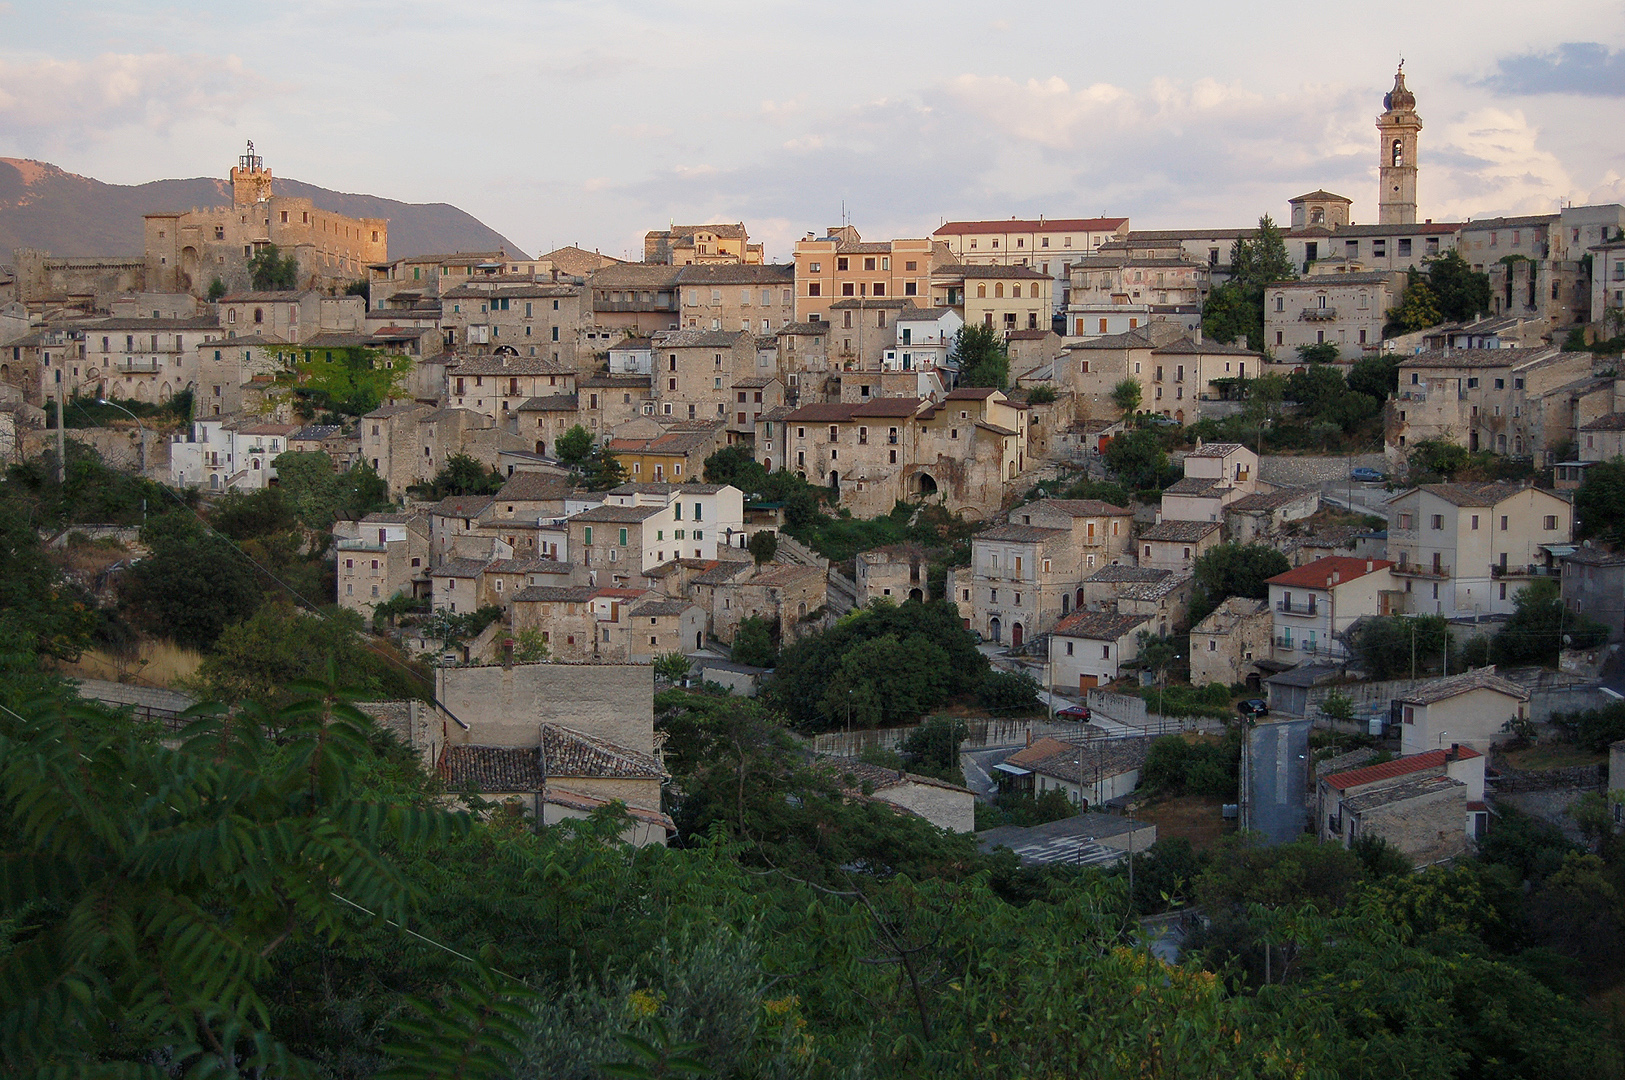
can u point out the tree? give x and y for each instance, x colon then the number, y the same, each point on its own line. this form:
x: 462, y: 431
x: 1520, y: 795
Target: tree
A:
x: 1316, y: 386
x: 1541, y: 625
x: 1418, y: 309
x: 1236, y: 308
x: 1227, y: 313
x: 602, y: 470
x: 460, y: 475
x: 1375, y: 376
x: 191, y: 587
x: 249, y: 515
x: 1137, y: 459
x: 1233, y: 570
x: 135, y: 866
x: 1009, y: 692
x: 1337, y: 705
x: 1126, y: 396
x: 763, y: 546
x: 886, y: 680
x: 673, y: 667
x: 1599, y: 504
x: 981, y: 356
x: 217, y: 289
x: 753, y: 643
x: 1462, y: 293
x: 271, y: 271
x: 1392, y: 647
x: 573, y: 446
x: 349, y: 381
x: 318, y: 495
x: 1323, y: 352
x: 530, y: 647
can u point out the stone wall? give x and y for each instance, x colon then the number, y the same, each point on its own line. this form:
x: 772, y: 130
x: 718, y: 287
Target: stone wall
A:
x: 1428, y: 829
x: 503, y: 706
x: 1284, y: 471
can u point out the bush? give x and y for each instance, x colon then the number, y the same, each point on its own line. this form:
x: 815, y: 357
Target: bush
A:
x: 753, y: 644
x: 1176, y: 766
x: 1022, y: 809
x: 1042, y: 394
x: 1009, y: 691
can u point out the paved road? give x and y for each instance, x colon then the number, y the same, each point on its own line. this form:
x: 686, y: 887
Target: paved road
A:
x: 1365, y: 498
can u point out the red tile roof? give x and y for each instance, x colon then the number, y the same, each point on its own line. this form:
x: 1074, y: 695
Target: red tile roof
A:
x: 1099, y: 224
x: 1318, y: 574
x: 1370, y: 774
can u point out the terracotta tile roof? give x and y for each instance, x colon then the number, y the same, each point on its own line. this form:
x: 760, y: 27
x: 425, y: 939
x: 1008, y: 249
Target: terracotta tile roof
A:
x: 1155, y: 590
x: 1081, y: 764
x: 822, y: 413
x: 621, y: 515
x: 854, y: 776
x: 1028, y: 225
x: 1038, y: 750
x: 1318, y: 574
x: 1483, y: 678
x: 1400, y: 766
x: 568, y: 752
x: 1083, y: 507
x: 576, y: 800
x: 695, y: 338
x: 738, y: 274
x: 1020, y: 534
x: 1449, y: 358
x: 463, y: 506
x: 551, y: 403
x: 655, y: 608
x: 508, y: 365
x: 888, y: 407
x: 1485, y: 494
x: 1099, y: 625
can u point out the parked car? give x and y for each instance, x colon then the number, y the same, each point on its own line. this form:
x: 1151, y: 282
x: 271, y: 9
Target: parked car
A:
x: 1253, y: 707
x: 1367, y: 476
x: 1074, y: 712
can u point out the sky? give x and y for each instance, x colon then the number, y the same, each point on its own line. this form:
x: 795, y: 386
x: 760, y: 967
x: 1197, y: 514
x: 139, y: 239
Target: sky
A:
x: 593, y: 121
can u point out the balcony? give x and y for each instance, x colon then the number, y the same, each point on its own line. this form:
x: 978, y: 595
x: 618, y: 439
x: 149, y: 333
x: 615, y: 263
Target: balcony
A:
x: 1306, y: 610
x: 1437, y: 571
x: 1325, y: 314
x: 1525, y: 570
x: 141, y: 364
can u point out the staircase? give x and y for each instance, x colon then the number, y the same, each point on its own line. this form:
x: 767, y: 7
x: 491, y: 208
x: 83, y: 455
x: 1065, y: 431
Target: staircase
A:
x: 841, y: 591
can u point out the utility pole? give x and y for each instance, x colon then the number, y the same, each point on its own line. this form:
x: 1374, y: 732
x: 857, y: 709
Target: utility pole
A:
x: 61, y: 442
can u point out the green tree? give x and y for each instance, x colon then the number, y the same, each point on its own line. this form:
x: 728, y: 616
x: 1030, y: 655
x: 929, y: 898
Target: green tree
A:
x: 530, y: 647
x: 1137, y: 459
x: 1323, y: 352
x: 39, y: 610
x: 191, y: 587
x: 135, y: 867
x: 460, y: 475
x: 1599, y: 504
x: 980, y: 354
x: 753, y: 643
x: 349, y: 381
x: 573, y: 446
x: 271, y: 271
x: 1387, y: 647
x: 249, y: 515
x: 602, y: 470
x: 763, y: 546
x: 1009, y: 692
x: 1375, y: 376
x: 1227, y: 313
x: 1418, y: 309
x: 886, y: 680
x: 1462, y: 293
x: 1316, y: 387
x: 673, y: 667
x: 1540, y: 625
x: 319, y: 495
x: 217, y: 289
x: 1236, y: 308
x: 1228, y: 570
x: 1126, y: 396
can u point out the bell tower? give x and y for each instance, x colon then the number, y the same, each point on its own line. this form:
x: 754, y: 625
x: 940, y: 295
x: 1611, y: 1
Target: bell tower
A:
x: 1397, y: 129
x: 250, y: 180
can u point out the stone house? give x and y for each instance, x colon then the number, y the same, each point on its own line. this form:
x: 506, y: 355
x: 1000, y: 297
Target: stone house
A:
x: 755, y: 298
x: 1428, y: 804
x: 606, y: 402
x: 1510, y: 401
x: 564, y: 616
x: 1175, y: 368
x: 657, y: 627
x: 752, y: 397
x: 454, y: 516
x: 409, y: 444
x: 721, y: 244
x: 496, y: 385
x: 1088, y: 648
x: 1467, y: 549
x: 1176, y: 545
x: 542, y: 421
x: 1262, y: 515
x: 945, y: 805
x: 785, y: 595
x: 1049, y: 245
x: 1101, y: 590
x: 803, y: 358
x: 1594, y: 584
x: 1347, y: 310
x: 1103, y: 532
x: 379, y: 557
x: 673, y: 454
x: 861, y: 329
x: 141, y: 359
x: 1314, y: 605
x: 1023, y: 575
x: 1167, y: 603
x: 1144, y: 275
x: 1470, y: 709
x: 542, y: 319
x: 531, y: 496
x: 642, y: 526
x: 635, y: 298
x: 291, y: 317
x: 695, y: 371
x: 456, y: 584
x: 1226, y: 647
x: 896, y: 572
x: 714, y: 587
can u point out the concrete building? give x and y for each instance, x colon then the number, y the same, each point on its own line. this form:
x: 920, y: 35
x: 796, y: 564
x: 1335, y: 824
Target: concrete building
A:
x: 409, y: 444
x: 1314, y: 605
x: 230, y: 454
x: 380, y: 557
x: 1467, y: 549
x: 1226, y: 647
x: 1137, y: 278
x: 840, y: 265
x: 1029, y: 573
x: 945, y: 805
x: 652, y: 452
x: 187, y: 251
x: 1046, y: 245
x: 1089, y: 775
x: 1087, y: 649
x: 1427, y: 805
x: 1511, y: 401
x: 1594, y: 584
x: 635, y: 298
x: 1006, y: 298
x: 1470, y: 709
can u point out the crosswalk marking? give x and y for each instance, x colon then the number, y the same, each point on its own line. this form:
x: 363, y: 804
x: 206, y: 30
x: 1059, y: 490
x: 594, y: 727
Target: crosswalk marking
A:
x: 1066, y: 849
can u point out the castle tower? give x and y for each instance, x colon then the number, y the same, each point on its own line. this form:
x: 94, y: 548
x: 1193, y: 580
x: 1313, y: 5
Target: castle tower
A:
x: 1397, y: 129
x: 250, y: 180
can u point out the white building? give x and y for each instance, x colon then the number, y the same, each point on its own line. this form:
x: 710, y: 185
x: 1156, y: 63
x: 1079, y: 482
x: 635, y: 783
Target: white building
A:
x: 1314, y: 605
x: 223, y: 455
x: 1087, y: 649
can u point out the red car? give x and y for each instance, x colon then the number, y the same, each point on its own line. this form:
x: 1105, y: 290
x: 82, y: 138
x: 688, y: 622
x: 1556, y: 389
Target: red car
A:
x: 1074, y: 712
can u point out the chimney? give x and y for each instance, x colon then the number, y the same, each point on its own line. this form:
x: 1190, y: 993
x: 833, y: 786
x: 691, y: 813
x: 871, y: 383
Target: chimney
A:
x: 1337, y: 575
x: 1455, y: 752
x: 1370, y: 566
x: 1029, y: 735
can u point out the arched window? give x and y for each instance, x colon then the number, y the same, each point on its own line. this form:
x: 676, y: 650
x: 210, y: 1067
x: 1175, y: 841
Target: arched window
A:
x: 1399, y: 153
x: 1317, y: 216
x: 259, y: 315
x: 998, y: 290
x: 981, y: 292
x: 1015, y: 291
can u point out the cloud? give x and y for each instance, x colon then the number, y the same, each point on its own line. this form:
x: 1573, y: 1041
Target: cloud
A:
x: 78, y: 99
x: 1489, y: 162
x: 1576, y: 67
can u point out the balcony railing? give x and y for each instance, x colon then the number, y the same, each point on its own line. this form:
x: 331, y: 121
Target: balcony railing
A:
x: 1325, y: 314
x: 1438, y: 570
x: 1525, y: 570
x: 1297, y: 609
x: 140, y: 364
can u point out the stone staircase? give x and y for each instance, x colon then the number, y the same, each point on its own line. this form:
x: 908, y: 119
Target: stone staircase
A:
x: 842, y: 590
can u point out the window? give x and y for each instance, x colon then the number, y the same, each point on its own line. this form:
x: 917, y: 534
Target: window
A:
x: 1105, y: 652
x: 842, y: 264
x: 1550, y: 523
x: 1503, y: 523
x: 1438, y: 521
x: 1475, y: 522
x: 1069, y: 648
x: 587, y: 535
x: 814, y: 289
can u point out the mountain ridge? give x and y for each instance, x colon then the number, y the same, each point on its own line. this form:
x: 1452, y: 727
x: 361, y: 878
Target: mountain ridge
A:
x: 44, y: 206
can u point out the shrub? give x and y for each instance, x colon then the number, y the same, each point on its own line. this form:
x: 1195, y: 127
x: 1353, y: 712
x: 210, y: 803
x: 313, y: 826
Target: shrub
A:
x: 1008, y: 691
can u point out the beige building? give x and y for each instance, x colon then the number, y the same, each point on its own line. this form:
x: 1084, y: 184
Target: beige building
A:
x: 758, y: 299
x: 545, y: 319
x: 701, y: 245
x: 696, y: 372
x: 496, y: 385
x: 1176, y: 371
x: 1006, y: 298
x: 947, y: 806
x: 1467, y: 549
x: 186, y: 252
x: 840, y: 265
x: 897, y: 573
x: 786, y: 595
x: 639, y: 299
x: 408, y: 444
x: 1136, y: 278
x: 1227, y: 645
x: 1347, y: 310
x: 1510, y: 401
x: 1427, y: 805
x: 1314, y: 605
x: 1263, y: 515
x: 380, y: 557
x: 1176, y: 545
x: 1088, y: 648
x: 1048, y: 246
x: 1471, y: 709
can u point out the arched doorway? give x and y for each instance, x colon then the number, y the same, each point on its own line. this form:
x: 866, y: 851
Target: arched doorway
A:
x: 924, y: 484
x: 993, y: 629
x: 699, y: 639
x: 915, y: 594
x: 1080, y: 598
x: 835, y: 483
x: 1015, y: 635
x: 505, y: 350
x: 541, y: 447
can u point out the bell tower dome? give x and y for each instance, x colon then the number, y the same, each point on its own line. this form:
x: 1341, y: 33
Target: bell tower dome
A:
x: 250, y: 180
x: 1397, y: 129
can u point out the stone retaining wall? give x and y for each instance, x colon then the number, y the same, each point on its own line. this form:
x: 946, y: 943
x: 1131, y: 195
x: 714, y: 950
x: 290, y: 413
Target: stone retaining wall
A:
x: 1309, y: 471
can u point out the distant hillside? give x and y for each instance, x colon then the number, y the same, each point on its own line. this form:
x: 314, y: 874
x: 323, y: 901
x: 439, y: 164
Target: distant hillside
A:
x: 41, y: 206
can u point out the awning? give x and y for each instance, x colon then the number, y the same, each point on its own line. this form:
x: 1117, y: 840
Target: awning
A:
x: 1558, y: 551
x: 1013, y: 770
